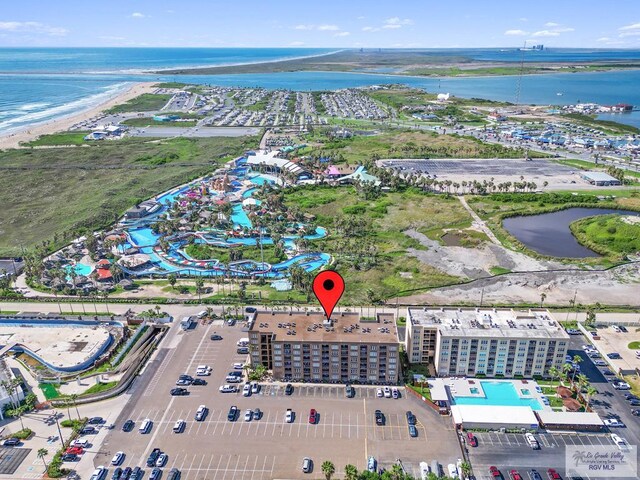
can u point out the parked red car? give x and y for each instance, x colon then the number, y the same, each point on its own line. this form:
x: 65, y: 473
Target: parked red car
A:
x: 313, y: 416
x: 553, y: 475
x: 514, y: 475
x: 472, y: 440
x: 74, y: 451
x: 494, y: 472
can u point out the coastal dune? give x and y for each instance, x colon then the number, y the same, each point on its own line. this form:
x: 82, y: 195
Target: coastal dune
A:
x: 14, y: 139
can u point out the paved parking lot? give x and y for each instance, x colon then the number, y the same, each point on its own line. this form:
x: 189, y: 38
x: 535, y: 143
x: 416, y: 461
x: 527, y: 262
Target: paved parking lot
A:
x: 11, y: 458
x: 267, y: 448
x: 510, y: 451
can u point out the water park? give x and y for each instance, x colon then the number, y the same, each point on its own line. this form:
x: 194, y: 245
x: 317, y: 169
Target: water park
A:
x: 229, y: 224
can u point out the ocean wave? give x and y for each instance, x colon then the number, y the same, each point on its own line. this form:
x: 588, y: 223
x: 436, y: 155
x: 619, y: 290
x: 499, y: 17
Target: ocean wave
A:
x: 33, y: 106
x: 33, y: 118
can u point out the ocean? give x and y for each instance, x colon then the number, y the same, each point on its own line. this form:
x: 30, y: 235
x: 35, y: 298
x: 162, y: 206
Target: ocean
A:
x: 39, y: 84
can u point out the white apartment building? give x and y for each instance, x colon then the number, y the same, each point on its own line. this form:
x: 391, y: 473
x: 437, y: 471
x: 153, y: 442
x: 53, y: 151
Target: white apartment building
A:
x: 491, y: 342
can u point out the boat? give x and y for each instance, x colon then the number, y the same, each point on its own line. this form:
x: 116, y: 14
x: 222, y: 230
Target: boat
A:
x: 559, y: 94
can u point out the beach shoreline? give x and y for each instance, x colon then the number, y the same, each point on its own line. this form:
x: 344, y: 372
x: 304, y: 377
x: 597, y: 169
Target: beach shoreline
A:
x: 31, y: 132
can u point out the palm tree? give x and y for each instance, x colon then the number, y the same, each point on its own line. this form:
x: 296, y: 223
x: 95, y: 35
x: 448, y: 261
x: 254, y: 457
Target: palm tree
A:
x: 554, y: 373
x: 466, y: 468
x: 43, y: 452
x: 591, y: 391
x: 543, y: 297
x: 328, y: 469
x: 576, y: 359
x: 566, y: 368
x: 350, y: 472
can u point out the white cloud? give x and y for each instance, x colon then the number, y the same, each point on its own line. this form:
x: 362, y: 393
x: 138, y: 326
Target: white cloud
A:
x: 630, y: 33
x: 360, y: 17
x: 137, y: 15
x: 342, y: 34
x: 303, y: 27
x: 546, y: 33
x: 296, y: 44
x: 633, y: 26
x: 397, y: 22
x: 603, y: 39
x: 329, y: 28
x: 32, y: 27
x: 370, y: 29
x: 516, y: 32
x: 554, y: 30
x: 523, y: 19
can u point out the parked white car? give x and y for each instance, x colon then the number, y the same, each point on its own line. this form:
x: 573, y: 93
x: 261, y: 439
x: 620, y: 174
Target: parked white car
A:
x: 613, y: 422
x: 228, y: 388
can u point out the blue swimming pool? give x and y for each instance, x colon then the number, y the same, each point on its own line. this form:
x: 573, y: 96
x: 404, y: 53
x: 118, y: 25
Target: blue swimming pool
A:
x: 261, y: 180
x: 79, y: 269
x: 239, y: 216
x: 499, y: 394
x: 143, y: 237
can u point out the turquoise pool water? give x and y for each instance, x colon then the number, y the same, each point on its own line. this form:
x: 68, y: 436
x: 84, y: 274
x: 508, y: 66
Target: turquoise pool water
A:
x: 499, y: 394
x: 80, y: 269
x: 260, y: 180
x: 239, y: 216
x: 143, y: 237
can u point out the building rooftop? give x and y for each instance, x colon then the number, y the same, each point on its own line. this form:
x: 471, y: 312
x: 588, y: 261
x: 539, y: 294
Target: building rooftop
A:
x: 599, y: 176
x: 311, y: 327
x: 488, y: 322
x: 498, y: 415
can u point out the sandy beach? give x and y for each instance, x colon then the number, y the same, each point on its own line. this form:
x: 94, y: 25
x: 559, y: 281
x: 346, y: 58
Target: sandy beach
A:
x: 14, y: 139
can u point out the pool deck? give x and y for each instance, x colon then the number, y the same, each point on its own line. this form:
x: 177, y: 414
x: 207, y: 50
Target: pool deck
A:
x: 57, y: 345
x: 444, y: 388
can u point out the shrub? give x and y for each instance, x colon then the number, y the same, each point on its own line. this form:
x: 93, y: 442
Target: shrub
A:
x: 23, y: 434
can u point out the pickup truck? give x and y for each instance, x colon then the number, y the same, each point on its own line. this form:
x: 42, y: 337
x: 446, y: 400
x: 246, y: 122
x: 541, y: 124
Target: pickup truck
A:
x: 153, y: 456
x: 288, y: 417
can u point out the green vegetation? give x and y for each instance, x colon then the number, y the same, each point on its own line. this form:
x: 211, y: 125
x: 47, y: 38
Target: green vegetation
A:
x: 201, y: 251
x: 408, y: 144
x: 374, y: 257
x: 634, y: 346
x: 57, y: 139
x: 420, y: 390
x: 171, y: 85
x: 74, y: 424
x: 499, y: 270
x: 260, y: 105
x: 608, y: 235
x: 149, y: 121
x: 57, y: 194
x: 605, y: 125
x: 50, y: 390
x: 100, y: 387
x: 147, y: 102
x: 23, y: 434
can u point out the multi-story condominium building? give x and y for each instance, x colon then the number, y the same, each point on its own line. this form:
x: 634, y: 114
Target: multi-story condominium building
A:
x: 491, y: 342
x: 301, y: 346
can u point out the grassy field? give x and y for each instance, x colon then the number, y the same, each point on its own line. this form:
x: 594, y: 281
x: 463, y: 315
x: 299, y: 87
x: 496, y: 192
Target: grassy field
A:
x: 409, y: 144
x: 99, y: 387
x: 608, y: 234
x: 50, y: 390
x: 63, y: 138
x: 54, y: 194
x: 147, y: 102
x: 149, y: 121
x: 389, y: 216
x: 205, y: 252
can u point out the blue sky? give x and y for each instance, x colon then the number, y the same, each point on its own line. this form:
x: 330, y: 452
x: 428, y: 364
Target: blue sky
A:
x: 325, y: 23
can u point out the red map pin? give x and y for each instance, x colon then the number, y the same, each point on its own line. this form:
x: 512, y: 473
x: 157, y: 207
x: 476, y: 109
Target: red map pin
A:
x: 328, y: 287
